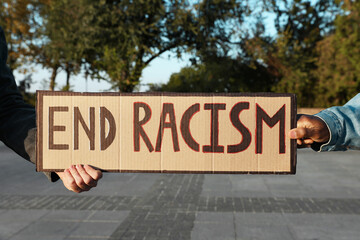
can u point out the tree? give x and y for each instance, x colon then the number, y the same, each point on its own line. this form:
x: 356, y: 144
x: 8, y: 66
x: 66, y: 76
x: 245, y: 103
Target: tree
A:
x: 60, y: 36
x: 285, y: 62
x: 232, y: 75
x: 128, y: 35
x: 339, y: 62
x: 305, y: 27
x: 115, y: 40
x: 292, y: 56
x: 17, y: 18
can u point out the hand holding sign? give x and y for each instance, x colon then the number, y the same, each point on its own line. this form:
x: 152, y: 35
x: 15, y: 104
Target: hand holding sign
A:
x: 310, y: 129
x: 80, y: 178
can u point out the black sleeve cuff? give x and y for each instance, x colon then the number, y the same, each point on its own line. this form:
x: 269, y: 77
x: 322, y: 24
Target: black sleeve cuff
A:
x: 52, y: 176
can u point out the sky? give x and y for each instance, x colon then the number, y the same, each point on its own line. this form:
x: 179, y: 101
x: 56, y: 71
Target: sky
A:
x: 159, y: 71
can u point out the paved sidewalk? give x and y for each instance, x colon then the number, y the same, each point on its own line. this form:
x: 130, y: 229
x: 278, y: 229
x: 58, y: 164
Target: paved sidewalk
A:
x: 322, y: 201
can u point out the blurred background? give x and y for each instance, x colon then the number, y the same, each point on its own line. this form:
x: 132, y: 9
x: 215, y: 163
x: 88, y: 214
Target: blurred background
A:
x: 307, y: 47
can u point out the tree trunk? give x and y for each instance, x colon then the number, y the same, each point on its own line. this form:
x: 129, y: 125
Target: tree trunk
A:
x: 68, y: 74
x: 53, y: 77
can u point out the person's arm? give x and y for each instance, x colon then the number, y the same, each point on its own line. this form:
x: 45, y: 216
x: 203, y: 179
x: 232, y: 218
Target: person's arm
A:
x: 333, y: 129
x: 18, y: 129
x: 17, y: 119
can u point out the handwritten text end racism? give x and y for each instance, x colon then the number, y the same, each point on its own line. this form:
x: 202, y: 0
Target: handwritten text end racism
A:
x: 108, y: 127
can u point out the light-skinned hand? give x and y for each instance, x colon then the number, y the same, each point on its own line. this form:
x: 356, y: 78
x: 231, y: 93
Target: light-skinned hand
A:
x: 80, y: 178
x: 310, y: 129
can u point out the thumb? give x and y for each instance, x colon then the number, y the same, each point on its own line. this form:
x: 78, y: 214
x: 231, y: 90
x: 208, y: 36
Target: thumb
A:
x: 299, y: 133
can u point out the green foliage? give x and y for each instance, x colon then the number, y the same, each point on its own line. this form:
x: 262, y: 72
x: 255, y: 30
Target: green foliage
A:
x: 115, y: 40
x: 294, y: 50
x: 60, y: 38
x: 127, y: 35
x: 17, y: 19
x: 229, y: 76
x: 339, y: 62
x: 289, y: 62
x: 347, y: 33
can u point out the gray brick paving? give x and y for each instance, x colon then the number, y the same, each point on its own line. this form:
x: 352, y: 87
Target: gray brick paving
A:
x: 169, y: 211
x: 45, y: 230
x: 94, y: 229
x: 14, y: 221
x: 262, y: 226
x: 67, y: 202
x: 183, y: 203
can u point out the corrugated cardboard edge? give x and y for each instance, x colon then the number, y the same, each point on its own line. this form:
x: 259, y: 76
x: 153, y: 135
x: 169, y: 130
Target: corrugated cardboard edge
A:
x: 293, y: 141
x: 39, y: 131
x: 39, y: 112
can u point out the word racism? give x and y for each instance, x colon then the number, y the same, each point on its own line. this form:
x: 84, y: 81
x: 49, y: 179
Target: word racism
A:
x: 167, y: 133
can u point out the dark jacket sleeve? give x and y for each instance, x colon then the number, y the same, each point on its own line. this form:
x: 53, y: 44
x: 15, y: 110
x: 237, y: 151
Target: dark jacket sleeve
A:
x: 17, y: 119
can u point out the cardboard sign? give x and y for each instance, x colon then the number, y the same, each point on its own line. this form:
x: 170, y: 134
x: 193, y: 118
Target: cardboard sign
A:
x: 167, y: 132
